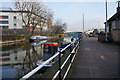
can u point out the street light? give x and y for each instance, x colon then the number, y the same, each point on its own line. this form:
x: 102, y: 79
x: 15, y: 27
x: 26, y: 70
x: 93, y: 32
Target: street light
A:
x: 83, y: 22
x: 106, y: 22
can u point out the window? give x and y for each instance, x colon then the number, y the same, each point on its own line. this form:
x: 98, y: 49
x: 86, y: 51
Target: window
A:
x: 4, y: 27
x: 113, y: 25
x: 119, y: 25
x: 6, y: 59
x: 15, y: 25
x: 15, y: 17
x: 4, y: 22
x: 23, y: 27
x: 3, y: 17
x: 6, y: 54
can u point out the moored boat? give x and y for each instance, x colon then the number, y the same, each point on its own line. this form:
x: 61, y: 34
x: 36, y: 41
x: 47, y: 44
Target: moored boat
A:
x: 37, y: 38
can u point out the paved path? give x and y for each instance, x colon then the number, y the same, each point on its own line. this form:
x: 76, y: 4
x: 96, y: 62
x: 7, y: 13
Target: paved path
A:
x: 96, y: 60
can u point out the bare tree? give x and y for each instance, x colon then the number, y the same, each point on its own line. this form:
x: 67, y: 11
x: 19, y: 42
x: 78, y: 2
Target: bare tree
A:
x: 59, y: 27
x: 49, y: 14
x: 32, y: 13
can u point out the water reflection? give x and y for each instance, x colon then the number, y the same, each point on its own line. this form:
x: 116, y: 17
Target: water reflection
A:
x: 33, y: 54
x: 19, y: 59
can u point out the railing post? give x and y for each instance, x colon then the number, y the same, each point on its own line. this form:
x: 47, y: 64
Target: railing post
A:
x: 70, y: 48
x: 60, y: 65
x: 79, y: 39
x: 71, y: 53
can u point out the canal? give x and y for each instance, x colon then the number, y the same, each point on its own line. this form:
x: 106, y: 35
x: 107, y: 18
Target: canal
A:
x: 19, y: 59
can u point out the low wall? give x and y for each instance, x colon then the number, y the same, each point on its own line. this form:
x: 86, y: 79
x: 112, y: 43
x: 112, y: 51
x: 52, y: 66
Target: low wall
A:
x: 116, y: 35
x: 102, y: 37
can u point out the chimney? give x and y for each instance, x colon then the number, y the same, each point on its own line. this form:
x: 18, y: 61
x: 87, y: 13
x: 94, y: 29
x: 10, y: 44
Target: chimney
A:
x: 118, y: 8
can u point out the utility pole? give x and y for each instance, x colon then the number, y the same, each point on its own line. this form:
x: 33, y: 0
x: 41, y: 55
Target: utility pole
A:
x: 106, y: 22
x: 83, y: 23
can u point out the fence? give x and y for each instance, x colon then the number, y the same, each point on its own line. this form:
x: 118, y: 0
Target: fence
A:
x: 71, y: 56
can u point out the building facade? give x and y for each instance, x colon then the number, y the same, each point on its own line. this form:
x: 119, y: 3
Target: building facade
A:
x: 114, y: 25
x: 11, y: 20
x: 11, y: 23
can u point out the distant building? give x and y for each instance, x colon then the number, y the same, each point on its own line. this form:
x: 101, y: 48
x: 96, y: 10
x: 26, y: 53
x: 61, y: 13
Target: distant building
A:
x: 49, y: 24
x: 11, y: 20
x: 114, y: 25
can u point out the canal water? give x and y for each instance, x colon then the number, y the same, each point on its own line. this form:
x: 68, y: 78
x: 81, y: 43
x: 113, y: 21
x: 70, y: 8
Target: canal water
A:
x: 19, y: 59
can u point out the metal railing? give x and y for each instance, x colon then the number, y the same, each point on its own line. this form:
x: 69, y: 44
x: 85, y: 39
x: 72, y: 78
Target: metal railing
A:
x: 71, y: 56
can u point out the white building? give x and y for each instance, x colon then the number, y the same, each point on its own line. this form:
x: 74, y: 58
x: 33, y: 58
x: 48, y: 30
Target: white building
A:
x: 11, y: 20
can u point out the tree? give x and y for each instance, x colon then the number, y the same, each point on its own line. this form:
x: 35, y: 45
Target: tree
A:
x: 32, y: 13
x: 59, y: 27
x: 48, y: 16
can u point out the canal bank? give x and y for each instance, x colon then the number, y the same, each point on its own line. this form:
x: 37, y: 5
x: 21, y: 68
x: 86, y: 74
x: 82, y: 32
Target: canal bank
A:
x: 13, y: 39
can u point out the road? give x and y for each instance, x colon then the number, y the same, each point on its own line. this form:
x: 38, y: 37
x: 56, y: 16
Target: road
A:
x: 96, y: 60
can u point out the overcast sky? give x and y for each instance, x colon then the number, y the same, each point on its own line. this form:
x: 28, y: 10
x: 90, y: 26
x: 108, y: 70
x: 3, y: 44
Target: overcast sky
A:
x: 72, y: 13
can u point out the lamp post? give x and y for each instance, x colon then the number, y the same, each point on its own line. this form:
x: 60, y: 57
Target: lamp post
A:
x: 106, y: 22
x: 83, y: 23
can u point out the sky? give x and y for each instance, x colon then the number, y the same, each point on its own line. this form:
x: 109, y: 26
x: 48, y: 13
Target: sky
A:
x: 72, y: 13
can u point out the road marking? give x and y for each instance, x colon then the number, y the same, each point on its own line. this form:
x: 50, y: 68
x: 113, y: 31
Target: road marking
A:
x: 102, y: 57
x: 87, y: 49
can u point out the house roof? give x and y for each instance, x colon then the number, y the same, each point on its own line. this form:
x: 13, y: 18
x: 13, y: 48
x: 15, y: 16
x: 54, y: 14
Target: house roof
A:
x: 114, y: 17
